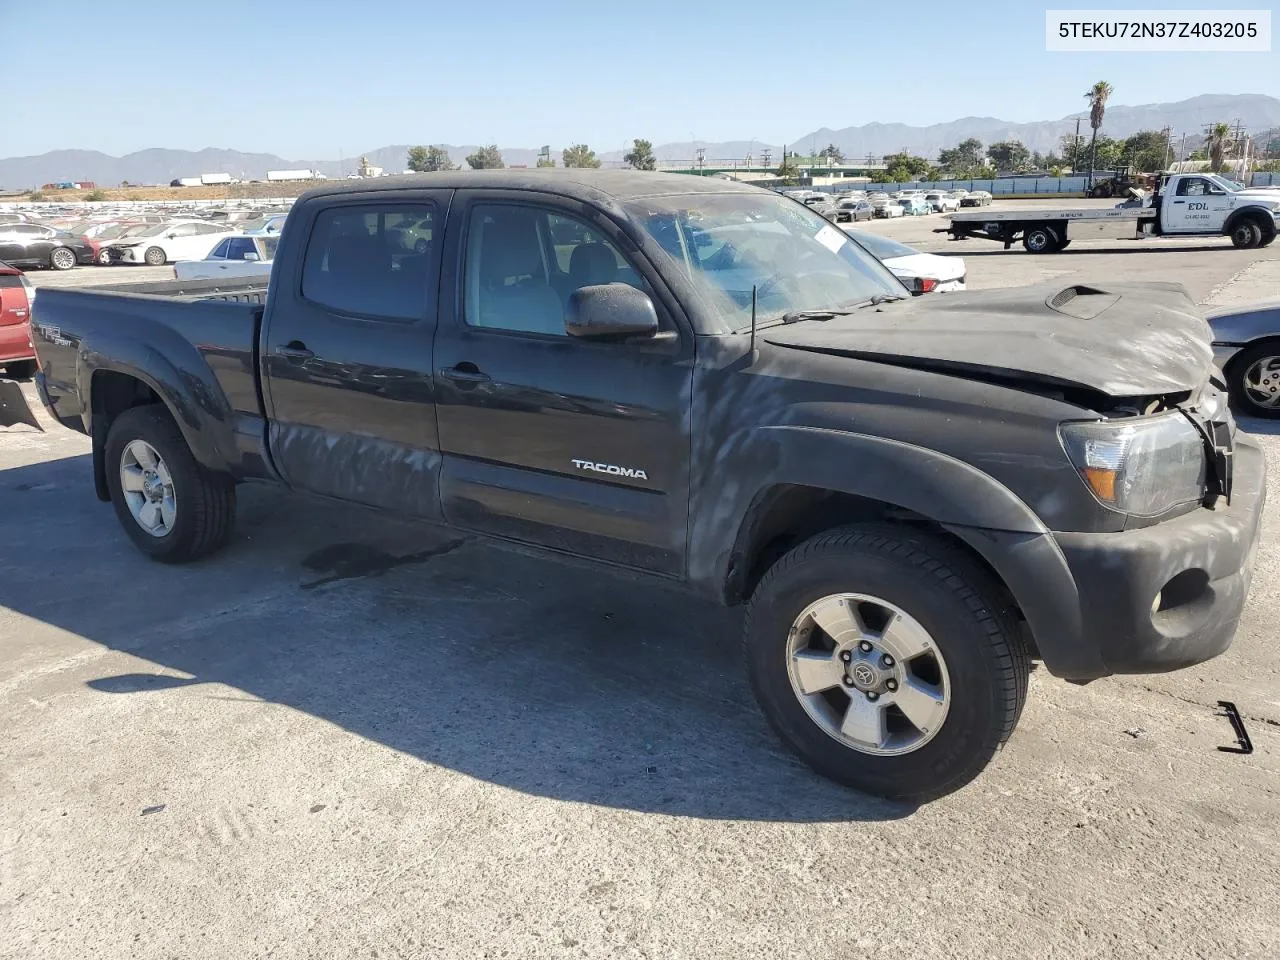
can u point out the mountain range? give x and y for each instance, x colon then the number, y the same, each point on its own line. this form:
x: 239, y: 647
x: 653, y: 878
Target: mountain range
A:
x: 1256, y: 113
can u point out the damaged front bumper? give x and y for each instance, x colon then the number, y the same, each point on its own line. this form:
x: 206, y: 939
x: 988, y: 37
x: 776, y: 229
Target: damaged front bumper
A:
x: 1145, y: 600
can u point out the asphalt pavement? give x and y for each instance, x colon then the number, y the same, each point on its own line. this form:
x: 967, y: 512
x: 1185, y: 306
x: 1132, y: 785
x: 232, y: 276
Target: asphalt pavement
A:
x: 346, y: 736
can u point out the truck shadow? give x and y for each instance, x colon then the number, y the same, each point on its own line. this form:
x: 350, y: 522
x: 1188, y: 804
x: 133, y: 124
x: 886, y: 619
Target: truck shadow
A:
x: 557, y: 681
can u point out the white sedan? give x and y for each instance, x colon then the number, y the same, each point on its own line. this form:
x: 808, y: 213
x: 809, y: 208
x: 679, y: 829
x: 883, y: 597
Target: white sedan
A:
x: 882, y: 206
x: 238, y: 256
x: 920, y: 272
x: 167, y: 242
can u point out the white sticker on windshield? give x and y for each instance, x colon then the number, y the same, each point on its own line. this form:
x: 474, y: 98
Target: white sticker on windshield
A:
x: 831, y: 238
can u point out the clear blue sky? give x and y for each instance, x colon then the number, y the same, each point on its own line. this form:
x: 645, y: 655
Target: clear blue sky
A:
x: 308, y: 79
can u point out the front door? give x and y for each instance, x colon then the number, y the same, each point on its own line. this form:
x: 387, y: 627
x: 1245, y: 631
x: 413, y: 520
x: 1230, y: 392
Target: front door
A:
x: 348, y: 353
x: 1198, y: 206
x: 566, y: 443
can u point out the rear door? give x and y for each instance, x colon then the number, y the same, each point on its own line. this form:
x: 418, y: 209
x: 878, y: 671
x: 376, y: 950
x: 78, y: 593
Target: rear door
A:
x: 552, y: 440
x: 347, y: 353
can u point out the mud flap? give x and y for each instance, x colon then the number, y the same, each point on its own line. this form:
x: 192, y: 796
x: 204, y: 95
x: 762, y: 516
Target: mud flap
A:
x: 13, y: 406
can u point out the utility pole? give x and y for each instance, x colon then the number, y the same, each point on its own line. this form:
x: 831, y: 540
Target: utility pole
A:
x: 1075, y: 149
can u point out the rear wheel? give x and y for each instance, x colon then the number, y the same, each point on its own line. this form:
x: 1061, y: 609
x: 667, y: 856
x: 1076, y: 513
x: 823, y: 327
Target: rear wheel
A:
x: 879, y: 657
x: 1246, y: 235
x: 62, y: 258
x: 1040, y: 240
x: 172, y: 508
x: 155, y: 257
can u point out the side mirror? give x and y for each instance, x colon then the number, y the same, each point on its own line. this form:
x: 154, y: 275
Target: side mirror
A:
x: 609, y: 311
x: 251, y: 257
x: 171, y: 236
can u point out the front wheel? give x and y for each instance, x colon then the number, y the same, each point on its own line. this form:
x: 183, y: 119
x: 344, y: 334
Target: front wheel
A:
x: 172, y: 508
x: 1253, y: 378
x: 155, y: 257
x: 103, y: 258
x: 1246, y: 235
x: 879, y: 656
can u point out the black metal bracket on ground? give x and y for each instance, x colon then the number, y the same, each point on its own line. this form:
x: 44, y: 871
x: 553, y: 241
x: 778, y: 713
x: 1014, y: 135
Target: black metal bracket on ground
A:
x: 1237, y: 724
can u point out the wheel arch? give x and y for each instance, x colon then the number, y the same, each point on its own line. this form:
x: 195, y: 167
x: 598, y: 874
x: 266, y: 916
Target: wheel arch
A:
x: 1266, y: 222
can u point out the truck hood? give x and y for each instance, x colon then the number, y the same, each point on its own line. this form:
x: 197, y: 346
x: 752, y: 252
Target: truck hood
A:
x: 1122, y: 340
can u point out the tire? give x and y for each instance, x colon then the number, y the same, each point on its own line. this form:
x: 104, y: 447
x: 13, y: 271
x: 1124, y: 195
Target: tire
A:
x: 155, y: 257
x: 1040, y: 240
x: 204, y: 501
x: 1267, y: 241
x: 103, y: 258
x: 20, y: 369
x: 1253, y: 375
x: 1063, y: 244
x: 62, y: 258
x: 982, y: 661
x: 1246, y: 234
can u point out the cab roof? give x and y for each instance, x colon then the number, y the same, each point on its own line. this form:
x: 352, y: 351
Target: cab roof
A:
x: 578, y: 184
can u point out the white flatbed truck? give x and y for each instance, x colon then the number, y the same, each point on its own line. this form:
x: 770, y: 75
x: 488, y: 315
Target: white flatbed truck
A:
x: 1184, y: 205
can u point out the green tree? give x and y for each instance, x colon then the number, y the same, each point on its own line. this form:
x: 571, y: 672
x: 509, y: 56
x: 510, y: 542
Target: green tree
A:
x: 917, y: 167
x: 898, y: 174
x: 429, y: 159
x: 641, y: 156
x: 963, y: 159
x: 1010, y: 155
x: 788, y: 170
x: 1147, y: 150
x: 833, y: 154
x: 1073, y: 148
x: 1198, y: 154
x: 95, y: 196
x: 486, y: 158
x: 1219, y: 145
x: 1097, y: 95
x: 580, y: 155
x: 546, y: 162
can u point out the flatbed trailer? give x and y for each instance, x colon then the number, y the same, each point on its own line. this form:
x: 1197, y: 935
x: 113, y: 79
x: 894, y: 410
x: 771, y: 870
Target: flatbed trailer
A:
x: 1187, y: 205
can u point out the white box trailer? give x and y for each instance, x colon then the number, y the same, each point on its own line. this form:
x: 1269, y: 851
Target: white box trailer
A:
x: 188, y: 182
x: 214, y: 179
x: 277, y: 175
x: 1185, y: 205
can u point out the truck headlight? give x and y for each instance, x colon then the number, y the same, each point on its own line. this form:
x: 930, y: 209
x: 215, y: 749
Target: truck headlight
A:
x: 1143, y: 467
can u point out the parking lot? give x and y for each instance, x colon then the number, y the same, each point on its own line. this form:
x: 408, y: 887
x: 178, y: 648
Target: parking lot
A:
x: 349, y: 736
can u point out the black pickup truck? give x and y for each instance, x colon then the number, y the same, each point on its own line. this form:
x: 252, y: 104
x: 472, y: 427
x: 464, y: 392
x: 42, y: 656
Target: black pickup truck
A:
x: 711, y: 384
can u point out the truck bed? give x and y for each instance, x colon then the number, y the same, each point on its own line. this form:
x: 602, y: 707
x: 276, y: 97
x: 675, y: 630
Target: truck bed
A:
x: 238, y: 289
x: 1057, y: 213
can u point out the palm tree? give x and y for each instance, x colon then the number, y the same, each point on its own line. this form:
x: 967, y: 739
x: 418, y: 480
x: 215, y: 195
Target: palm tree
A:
x: 1218, y: 144
x: 1098, y: 95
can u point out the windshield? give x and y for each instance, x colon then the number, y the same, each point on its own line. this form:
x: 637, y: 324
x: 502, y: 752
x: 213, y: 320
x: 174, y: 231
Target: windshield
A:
x: 882, y: 248
x: 795, y: 260
x: 1231, y: 186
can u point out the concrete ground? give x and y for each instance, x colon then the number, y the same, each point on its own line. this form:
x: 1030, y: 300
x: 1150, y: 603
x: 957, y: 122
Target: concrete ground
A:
x: 349, y: 737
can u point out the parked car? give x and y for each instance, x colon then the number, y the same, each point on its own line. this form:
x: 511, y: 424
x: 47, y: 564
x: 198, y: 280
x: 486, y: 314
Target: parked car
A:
x: 35, y: 245
x: 14, y: 218
x: 1246, y: 348
x: 17, y: 355
x: 976, y: 198
x: 239, y: 255
x: 851, y: 211
x: 886, y: 207
x: 919, y: 272
x: 271, y: 225
x: 915, y: 495
x: 162, y: 243
x: 941, y: 202
x: 915, y: 207
x: 101, y: 242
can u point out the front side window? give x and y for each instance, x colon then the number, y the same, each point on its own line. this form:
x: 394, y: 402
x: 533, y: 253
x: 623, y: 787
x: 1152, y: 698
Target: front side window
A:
x: 1192, y: 187
x: 729, y: 244
x: 237, y: 247
x: 524, y: 263
x: 357, y: 263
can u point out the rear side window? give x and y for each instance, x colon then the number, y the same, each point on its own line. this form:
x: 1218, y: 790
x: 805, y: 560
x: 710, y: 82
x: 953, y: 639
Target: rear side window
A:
x: 373, y: 260
x: 239, y: 247
x: 220, y: 251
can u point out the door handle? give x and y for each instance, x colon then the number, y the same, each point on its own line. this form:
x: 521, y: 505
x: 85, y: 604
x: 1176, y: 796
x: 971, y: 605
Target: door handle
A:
x: 294, y: 350
x: 465, y: 373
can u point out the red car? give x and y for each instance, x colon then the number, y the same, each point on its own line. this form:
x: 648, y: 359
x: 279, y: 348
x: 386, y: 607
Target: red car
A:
x: 17, y: 355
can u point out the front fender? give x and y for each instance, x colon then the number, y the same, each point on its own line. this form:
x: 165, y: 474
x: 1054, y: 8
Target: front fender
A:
x: 983, y: 513
x: 1254, y: 211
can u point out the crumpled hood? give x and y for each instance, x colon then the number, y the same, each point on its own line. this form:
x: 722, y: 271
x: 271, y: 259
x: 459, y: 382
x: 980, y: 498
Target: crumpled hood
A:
x: 1120, y: 339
